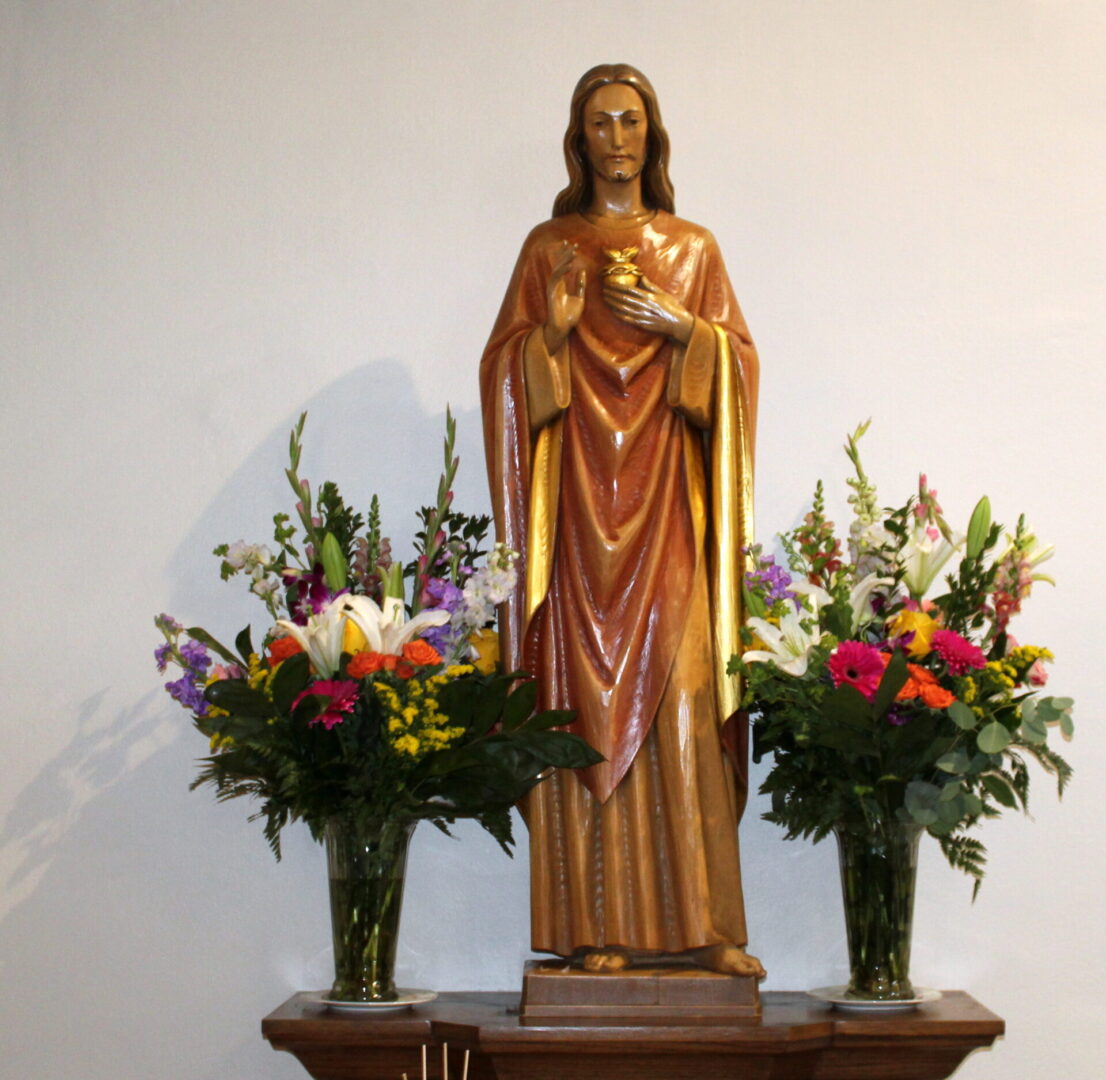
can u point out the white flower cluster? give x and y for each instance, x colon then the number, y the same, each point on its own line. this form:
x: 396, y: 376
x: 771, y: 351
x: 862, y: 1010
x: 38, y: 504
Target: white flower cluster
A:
x: 254, y: 559
x: 486, y: 589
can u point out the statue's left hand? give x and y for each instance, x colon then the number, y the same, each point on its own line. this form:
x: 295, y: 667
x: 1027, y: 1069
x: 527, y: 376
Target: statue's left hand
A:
x: 649, y: 307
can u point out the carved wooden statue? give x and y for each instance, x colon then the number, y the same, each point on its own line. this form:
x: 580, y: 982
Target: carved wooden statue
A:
x: 619, y: 393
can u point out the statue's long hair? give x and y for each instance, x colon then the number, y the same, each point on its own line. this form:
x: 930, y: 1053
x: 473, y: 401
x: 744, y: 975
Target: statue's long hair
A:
x: 656, y: 187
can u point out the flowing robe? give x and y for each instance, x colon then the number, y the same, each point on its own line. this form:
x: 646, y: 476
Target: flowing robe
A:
x: 620, y: 469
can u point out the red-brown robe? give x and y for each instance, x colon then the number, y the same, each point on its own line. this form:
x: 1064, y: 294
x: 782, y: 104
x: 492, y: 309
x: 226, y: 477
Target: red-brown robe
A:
x: 620, y: 469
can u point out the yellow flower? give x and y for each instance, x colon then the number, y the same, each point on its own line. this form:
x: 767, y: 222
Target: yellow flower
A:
x: 486, y: 644
x: 353, y: 639
x: 922, y: 626
x: 407, y: 744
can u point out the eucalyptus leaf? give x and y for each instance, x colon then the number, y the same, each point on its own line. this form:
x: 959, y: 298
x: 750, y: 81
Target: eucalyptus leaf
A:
x: 956, y: 761
x: 1067, y: 725
x: 962, y: 716
x: 1033, y: 730
x: 994, y: 738
x: 921, y: 801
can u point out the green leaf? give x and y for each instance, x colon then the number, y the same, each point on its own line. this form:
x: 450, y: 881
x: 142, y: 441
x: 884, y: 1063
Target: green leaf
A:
x: 551, y: 718
x: 993, y: 739
x: 754, y: 605
x: 846, y: 705
x: 999, y: 790
x: 520, y: 704
x: 244, y: 644
x: 962, y: 716
x: 290, y: 679
x: 236, y: 696
x: 1067, y: 725
x: 894, y: 678
x: 334, y: 563
x: 978, y: 528
x: 559, y: 748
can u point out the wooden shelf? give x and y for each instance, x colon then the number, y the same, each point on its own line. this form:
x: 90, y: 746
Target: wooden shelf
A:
x: 797, y: 1038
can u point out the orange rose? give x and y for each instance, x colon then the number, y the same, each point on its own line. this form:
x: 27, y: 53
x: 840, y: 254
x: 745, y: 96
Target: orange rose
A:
x: 366, y: 663
x: 421, y: 653
x: 282, y: 648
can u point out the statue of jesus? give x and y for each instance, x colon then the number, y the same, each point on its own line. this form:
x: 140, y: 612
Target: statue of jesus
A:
x: 619, y: 393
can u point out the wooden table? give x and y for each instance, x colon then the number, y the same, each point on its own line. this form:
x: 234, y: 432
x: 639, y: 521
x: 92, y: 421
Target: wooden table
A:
x: 797, y: 1038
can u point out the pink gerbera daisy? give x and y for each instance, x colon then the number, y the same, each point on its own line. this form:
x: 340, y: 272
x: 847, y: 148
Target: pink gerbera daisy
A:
x: 958, y: 653
x: 342, y: 695
x: 858, y: 665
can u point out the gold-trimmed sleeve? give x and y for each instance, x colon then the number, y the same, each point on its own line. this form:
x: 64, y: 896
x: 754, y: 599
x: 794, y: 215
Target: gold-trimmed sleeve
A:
x: 548, y: 387
x: 691, y: 375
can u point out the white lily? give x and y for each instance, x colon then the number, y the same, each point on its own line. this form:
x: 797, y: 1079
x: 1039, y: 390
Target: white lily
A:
x: 322, y: 637
x: 386, y: 628
x: 860, y: 598
x: 788, y: 645
x: 925, y: 552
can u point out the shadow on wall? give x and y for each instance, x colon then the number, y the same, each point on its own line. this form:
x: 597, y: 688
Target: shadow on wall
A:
x: 116, y: 876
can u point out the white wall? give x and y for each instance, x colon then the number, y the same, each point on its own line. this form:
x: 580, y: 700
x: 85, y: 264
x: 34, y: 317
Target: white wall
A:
x: 216, y: 214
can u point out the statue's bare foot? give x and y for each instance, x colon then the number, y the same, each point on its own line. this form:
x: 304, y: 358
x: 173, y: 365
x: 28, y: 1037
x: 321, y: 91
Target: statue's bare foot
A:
x: 606, y: 960
x: 727, y: 960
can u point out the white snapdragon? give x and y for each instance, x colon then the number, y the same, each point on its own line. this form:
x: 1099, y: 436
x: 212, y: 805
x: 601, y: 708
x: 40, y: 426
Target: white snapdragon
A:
x: 486, y: 589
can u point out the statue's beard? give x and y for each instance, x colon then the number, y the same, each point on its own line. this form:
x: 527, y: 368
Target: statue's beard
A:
x: 623, y: 174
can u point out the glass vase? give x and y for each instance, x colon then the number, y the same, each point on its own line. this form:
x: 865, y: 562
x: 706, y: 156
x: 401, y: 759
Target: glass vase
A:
x: 879, y: 863
x: 366, y: 865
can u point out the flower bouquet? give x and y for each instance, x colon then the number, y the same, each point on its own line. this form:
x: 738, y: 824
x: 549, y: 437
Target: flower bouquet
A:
x: 360, y: 713
x: 889, y: 711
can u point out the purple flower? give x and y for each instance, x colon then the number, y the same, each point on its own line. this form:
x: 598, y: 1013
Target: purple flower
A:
x: 194, y: 654
x: 189, y: 693
x: 307, y: 592
x: 163, y: 654
x: 771, y: 581
x: 442, y: 593
x: 896, y: 718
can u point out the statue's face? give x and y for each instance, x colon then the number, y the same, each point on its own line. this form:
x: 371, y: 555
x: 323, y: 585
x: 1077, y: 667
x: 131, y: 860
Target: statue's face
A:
x: 615, y: 127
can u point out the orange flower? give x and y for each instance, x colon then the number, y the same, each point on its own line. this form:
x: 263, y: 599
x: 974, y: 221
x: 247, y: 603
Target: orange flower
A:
x: 922, y: 683
x: 282, y: 648
x: 421, y: 653
x: 368, y: 663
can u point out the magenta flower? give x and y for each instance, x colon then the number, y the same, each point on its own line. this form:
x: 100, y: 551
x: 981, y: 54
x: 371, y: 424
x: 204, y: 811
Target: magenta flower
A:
x: 958, y: 653
x: 342, y: 696
x: 858, y: 665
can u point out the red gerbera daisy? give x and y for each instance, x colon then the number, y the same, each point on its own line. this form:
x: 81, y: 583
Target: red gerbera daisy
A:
x: 858, y: 665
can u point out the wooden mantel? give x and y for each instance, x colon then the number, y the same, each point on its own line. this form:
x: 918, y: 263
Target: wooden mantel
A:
x: 797, y: 1038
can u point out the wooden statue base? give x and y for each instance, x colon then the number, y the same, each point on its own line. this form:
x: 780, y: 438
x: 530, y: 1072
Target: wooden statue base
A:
x: 557, y: 992
x: 796, y: 1038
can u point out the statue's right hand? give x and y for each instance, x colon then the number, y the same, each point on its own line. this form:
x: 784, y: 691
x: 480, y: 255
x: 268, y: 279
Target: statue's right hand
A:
x: 564, y: 305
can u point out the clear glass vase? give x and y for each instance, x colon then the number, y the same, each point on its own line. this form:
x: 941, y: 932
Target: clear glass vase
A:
x: 366, y: 867
x: 879, y: 863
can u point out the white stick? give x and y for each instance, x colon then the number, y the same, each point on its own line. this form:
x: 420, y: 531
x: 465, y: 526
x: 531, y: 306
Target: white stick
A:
x: 465, y: 1068
x: 445, y: 1061
x: 424, y: 1061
